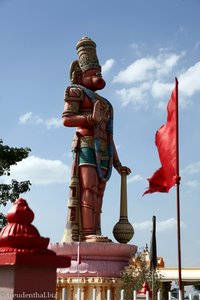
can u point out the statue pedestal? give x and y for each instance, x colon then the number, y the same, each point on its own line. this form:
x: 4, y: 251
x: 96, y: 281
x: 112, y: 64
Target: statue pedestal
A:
x: 95, y: 259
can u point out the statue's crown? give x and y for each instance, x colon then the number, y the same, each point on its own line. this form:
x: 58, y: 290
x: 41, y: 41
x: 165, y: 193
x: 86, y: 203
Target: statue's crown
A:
x: 86, y: 49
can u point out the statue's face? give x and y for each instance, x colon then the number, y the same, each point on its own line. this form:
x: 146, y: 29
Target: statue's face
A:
x: 92, y: 79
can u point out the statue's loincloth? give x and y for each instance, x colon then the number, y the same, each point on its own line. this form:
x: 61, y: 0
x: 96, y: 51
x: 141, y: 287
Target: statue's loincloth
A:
x: 86, y: 151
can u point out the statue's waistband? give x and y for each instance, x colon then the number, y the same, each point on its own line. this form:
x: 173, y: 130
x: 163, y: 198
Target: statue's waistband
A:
x: 88, y: 142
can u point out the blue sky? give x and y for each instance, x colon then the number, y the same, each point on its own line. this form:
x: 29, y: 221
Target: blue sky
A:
x: 142, y: 45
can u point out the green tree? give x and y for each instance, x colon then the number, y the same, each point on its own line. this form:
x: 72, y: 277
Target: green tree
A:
x: 137, y: 273
x: 197, y: 286
x: 9, y: 192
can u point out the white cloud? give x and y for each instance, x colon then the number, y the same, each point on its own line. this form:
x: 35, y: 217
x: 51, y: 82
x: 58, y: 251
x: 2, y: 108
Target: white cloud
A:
x: 161, y: 226
x: 147, y: 76
x: 39, y: 171
x: 146, y: 225
x: 192, y: 169
x: 135, y: 95
x: 138, y: 71
x: 25, y: 118
x: 135, y: 178
x: 197, y: 44
x: 108, y: 65
x: 168, y: 225
x: 192, y: 183
x: 135, y: 46
x: 189, y: 84
x: 166, y: 62
x: 30, y: 118
x: 189, y: 81
x: 148, y: 68
x: 53, y: 123
x: 160, y: 90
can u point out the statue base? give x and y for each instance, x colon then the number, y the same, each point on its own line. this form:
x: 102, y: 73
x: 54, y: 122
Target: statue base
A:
x: 95, y: 259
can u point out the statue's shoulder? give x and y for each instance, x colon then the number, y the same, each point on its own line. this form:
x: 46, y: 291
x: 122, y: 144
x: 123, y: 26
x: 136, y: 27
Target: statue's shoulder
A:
x: 74, y: 93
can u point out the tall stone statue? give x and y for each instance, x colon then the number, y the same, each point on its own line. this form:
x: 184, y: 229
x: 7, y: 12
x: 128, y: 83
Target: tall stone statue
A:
x: 94, y: 151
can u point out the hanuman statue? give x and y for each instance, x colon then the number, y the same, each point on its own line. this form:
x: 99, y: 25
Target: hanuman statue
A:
x: 94, y: 151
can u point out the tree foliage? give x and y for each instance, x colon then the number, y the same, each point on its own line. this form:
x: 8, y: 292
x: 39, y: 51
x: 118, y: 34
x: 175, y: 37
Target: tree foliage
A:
x: 197, y: 286
x: 10, y: 156
x: 137, y: 273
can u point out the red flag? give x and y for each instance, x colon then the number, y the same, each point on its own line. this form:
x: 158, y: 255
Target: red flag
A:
x: 166, y: 141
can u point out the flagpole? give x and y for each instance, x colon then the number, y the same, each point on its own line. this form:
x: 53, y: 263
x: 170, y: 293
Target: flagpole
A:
x: 153, y: 284
x: 78, y: 262
x: 178, y: 191
x: 153, y: 254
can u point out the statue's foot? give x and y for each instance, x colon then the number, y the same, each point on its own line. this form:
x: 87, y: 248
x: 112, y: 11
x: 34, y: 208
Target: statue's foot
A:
x: 92, y: 238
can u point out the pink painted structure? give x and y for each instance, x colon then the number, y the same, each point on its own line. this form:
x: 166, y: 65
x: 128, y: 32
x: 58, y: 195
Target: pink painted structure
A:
x: 96, y: 259
x: 27, y: 267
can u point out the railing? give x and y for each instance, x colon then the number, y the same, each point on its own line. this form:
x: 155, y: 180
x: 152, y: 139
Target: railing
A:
x: 88, y: 289
x: 73, y: 292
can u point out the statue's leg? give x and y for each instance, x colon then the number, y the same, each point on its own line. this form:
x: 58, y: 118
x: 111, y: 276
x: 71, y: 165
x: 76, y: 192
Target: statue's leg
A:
x: 88, y: 197
x: 100, y: 193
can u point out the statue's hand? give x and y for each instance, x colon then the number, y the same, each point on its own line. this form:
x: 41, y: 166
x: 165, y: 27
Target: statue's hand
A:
x: 125, y: 169
x: 121, y: 169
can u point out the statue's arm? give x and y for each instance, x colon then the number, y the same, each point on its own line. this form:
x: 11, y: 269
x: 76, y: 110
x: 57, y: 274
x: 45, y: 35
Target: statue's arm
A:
x: 74, y: 120
x: 117, y: 164
x: 71, y: 115
x: 116, y: 161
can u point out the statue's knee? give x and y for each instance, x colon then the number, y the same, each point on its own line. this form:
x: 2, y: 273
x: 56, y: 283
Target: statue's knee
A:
x: 90, y: 189
x: 88, y: 196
